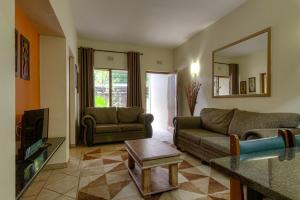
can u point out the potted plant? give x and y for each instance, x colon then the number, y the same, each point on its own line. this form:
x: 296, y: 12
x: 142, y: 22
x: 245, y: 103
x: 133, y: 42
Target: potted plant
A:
x: 192, y: 91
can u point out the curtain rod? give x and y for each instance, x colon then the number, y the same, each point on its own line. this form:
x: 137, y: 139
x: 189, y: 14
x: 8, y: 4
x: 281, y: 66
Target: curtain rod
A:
x: 221, y: 63
x: 113, y: 51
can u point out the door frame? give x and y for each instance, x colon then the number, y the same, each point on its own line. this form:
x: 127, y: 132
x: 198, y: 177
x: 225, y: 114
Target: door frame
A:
x: 164, y: 73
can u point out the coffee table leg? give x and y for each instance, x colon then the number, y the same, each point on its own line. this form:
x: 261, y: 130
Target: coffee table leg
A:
x: 173, y: 174
x: 130, y: 162
x: 146, y: 180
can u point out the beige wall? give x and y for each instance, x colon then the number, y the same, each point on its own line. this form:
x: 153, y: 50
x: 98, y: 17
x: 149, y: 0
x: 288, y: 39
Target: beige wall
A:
x: 7, y: 101
x: 64, y: 15
x: 253, y: 16
x: 54, y: 91
x: 252, y: 66
x: 148, y: 60
x: 183, y: 78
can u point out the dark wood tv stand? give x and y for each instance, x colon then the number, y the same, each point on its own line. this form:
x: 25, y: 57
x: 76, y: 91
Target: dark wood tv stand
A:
x: 26, y: 171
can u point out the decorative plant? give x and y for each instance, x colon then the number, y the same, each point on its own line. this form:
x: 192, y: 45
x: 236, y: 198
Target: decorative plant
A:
x: 192, y: 91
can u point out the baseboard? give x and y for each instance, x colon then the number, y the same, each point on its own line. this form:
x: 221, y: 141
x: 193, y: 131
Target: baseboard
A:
x: 56, y: 166
x: 73, y: 145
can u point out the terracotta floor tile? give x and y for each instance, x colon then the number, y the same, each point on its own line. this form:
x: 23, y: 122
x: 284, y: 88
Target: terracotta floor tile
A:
x: 47, y: 195
x: 34, y: 188
x: 62, y: 184
x: 63, y: 197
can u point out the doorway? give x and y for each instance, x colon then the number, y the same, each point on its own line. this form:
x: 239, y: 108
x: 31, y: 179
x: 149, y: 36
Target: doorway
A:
x: 161, y: 99
x: 222, y: 85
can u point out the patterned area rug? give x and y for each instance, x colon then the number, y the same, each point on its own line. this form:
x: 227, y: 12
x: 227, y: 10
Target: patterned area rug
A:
x: 105, y: 176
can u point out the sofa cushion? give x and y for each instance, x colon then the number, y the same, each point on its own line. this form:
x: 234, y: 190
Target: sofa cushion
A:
x: 103, y: 115
x: 129, y: 115
x: 244, y: 121
x: 132, y: 127
x: 195, y: 135
x: 217, y: 143
x: 107, y: 128
x: 216, y: 120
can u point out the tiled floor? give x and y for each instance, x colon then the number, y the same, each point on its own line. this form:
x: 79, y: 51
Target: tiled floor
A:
x: 100, y: 173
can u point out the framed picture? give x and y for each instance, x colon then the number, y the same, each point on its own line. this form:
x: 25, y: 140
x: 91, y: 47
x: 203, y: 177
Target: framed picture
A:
x: 16, y: 52
x: 252, y: 84
x: 25, y: 58
x: 243, y: 87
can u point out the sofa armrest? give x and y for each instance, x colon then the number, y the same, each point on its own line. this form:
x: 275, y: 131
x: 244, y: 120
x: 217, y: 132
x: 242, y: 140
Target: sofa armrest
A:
x: 89, y: 124
x: 263, y: 133
x: 185, y: 123
x: 146, y: 119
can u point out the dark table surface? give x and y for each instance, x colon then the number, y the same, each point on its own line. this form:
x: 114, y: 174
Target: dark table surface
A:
x: 27, y: 170
x: 275, y: 174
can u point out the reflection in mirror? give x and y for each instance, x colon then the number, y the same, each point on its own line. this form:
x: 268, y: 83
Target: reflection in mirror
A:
x: 242, y: 69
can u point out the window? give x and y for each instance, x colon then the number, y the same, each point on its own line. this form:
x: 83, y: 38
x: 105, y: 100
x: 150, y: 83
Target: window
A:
x: 110, y: 87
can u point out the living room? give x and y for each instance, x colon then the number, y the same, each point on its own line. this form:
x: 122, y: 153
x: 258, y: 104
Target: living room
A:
x: 229, y: 105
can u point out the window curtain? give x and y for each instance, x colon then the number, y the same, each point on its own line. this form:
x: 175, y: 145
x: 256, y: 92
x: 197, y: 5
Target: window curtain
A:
x: 234, y: 78
x: 86, y: 90
x: 134, y: 94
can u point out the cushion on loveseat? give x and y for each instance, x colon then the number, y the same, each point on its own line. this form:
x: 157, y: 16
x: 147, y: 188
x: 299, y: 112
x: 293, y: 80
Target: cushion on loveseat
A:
x: 217, y: 143
x: 107, y: 128
x: 244, y: 121
x: 195, y: 135
x: 132, y: 127
x: 216, y: 120
x: 129, y: 115
x: 103, y: 115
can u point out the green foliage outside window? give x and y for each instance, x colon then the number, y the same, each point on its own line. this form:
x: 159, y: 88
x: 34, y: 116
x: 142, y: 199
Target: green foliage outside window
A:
x: 118, y: 92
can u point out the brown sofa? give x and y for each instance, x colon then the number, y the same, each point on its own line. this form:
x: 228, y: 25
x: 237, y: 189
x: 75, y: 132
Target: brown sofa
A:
x: 207, y: 136
x: 103, y: 125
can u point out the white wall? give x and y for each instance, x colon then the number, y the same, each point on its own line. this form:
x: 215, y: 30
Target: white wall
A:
x: 7, y: 100
x: 148, y: 60
x: 110, y: 60
x: 54, y: 91
x: 253, y: 16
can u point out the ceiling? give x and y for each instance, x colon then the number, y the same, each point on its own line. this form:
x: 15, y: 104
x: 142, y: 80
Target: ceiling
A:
x: 248, y: 47
x: 162, y: 23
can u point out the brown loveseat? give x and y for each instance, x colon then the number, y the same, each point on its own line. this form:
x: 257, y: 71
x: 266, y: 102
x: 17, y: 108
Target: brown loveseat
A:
x: 102, y: 125
x: 207, y: 136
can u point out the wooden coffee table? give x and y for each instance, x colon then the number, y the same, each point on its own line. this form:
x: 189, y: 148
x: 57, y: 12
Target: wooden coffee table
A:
x: 149, y: 155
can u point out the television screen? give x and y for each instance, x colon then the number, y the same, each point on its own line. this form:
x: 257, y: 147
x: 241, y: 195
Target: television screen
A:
x: 34, y: 130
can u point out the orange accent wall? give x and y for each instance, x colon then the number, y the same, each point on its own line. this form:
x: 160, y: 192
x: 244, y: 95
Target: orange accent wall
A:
x: 28, y: 91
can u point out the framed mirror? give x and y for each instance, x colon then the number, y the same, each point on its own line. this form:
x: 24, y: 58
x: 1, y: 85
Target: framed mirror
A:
x: 243, y: 68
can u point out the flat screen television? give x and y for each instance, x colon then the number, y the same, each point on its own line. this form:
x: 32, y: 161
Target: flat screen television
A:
x: 34, y: 131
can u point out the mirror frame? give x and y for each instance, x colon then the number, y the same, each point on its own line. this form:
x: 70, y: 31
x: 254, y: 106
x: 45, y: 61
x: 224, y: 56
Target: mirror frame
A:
x: 268, y: 94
